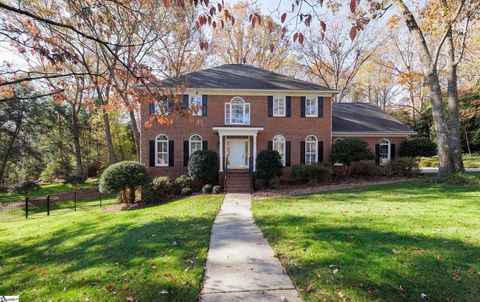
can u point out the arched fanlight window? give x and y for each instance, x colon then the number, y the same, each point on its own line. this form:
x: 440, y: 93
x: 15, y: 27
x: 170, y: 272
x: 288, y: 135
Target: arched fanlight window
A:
x: 237, y: 112
x: 311, y: 147
x: 161, y: 150
x: 384, y: 151
x: 279, y: 146
x: 195, y: 144
x: 338, y: 140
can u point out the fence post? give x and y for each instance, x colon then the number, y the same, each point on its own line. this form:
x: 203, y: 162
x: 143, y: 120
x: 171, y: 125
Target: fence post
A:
x: 26, y: 207
x: 48, y: 205
x: 100, y: 198
x: 75, y: 199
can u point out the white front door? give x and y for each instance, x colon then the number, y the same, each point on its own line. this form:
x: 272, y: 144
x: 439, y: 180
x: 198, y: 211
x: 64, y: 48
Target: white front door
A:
x: 237, y: 153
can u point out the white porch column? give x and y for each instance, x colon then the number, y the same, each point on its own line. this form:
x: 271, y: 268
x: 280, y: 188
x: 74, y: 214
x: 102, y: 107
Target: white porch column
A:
x: 254, y: 152
x: 221, y: 153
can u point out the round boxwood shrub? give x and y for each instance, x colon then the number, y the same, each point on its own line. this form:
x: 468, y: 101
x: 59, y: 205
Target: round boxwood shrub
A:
x: 418, y: 146
x: 162, y: 186
x: 217, y: 190
x: 122, y: 178
x: 311, y: 174
x: 350, y: 150
x: 203, y: 165
x: 25, y: 188
x: 187, y: 191
x: 181, y: 182
x: 269, y: 165
x: 207, y: 189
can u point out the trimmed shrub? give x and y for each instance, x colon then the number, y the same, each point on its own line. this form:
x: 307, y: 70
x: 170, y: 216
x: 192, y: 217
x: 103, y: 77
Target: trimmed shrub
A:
x: 181, y: 182
x: 147, y: 194
x: 311, y: 174
x: 404, y: 166
x: 274, y: 183
x: 25, y: 188
x: 259, y: 184
x: 418, y: 146
x: 207, y: 189
x: 186, y: 191
x: 162, y: 186
x: 269, y: 165
x: 122, y: 178
x: 350, y: 150
x: 364, y: 168
x: 75, y: 181
x: 203, y: 165
x: 217, y: 190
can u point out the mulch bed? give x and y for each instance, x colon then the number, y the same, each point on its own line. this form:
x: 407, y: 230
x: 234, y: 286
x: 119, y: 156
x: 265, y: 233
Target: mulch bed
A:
x: 335, y: 185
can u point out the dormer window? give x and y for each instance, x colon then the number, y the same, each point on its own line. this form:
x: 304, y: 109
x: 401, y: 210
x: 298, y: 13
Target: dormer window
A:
x: 237, y: 112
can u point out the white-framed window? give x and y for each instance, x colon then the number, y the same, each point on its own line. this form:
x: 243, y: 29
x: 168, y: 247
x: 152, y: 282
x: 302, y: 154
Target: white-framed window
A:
x: 162, y: 107
x: 311, y: 106
x: 384, y: 151
x: 311, y: 146
x: 161, y: 150
x: 194, y: 144
x: 279, y: 146
x: 279, y: 106
x: 195, y: 104
x: 334, y: 142
x: 237, y: 112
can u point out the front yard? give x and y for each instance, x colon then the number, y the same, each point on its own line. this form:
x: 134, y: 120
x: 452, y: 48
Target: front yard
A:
x: 469, y: 161
x: 411, y: 241
x: 155, y: 253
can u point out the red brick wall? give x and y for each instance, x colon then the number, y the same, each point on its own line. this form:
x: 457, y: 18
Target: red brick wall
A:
x: 295, y: 129
x: 372, y: 141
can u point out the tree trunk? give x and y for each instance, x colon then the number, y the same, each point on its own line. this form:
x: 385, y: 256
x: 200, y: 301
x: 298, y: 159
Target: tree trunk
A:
x: 131, y: 195
x: 108, y: 136
x: 430, y: 71
x: 136, y: 133
x: 76, y: 141
x: 455, y: 136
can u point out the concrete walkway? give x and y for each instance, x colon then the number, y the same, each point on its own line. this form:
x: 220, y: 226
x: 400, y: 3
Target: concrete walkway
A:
x: 435, y: 170
x: 241, y: 265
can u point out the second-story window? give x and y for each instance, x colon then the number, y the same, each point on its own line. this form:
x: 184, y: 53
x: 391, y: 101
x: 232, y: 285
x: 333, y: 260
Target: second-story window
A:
x: 196, y: 105
x: 279, y: 108
x: 311, y: 106
x: 237, y: 112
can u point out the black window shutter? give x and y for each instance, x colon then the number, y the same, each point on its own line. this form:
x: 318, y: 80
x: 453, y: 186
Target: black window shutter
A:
x: 302, y: 106
x: 185, y: 101
x: 152, y: 153
x: 270, y: 145
x: 270, y: 106
x: 320, y: 106
x: 151, y: 108
x: 205, y: 145
x: 204, y: 105
x: 171, y: 155
x: 302, y: 152
x: 288, y: 105
x: 377, y: 154
x: 186, y: 152
x: 320, y: 152
x: 288, y: 154
x: 392, y: 151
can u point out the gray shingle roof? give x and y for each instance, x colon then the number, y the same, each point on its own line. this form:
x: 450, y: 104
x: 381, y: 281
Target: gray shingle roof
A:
x: 241, y: 76
x: 360, y: 117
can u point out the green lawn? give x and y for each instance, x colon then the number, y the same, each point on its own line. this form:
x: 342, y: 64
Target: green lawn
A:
x: 152, y: 254
x: 469, y: 160
x: 47, y: 190
x: 380, y: 243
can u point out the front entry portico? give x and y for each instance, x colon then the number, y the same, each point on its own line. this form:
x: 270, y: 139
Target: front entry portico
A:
x: 238, y: 147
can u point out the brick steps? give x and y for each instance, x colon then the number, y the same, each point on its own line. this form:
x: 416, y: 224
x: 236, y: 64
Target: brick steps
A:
x: 238, y: 182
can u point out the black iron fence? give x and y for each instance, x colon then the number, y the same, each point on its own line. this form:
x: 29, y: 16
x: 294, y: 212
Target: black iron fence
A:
x: 54, y: 204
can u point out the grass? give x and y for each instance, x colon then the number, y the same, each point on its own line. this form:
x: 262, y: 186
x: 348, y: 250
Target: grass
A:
x: 469, y: 161
x: 155, y: 253
x: 49, y: 189
x: 380, y: 243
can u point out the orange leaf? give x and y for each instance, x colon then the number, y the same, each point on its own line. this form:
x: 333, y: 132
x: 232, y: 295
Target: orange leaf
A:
x: 272, y: 47
x: 353, y: 6
x: 323, y: 25
x: 353, y: 33
x: 166, y: 3
x: 284, y: 17
x: 300, y: 38
x: 295, y: 37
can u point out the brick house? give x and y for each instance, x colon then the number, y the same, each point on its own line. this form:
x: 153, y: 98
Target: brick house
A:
x: 241, y: 110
